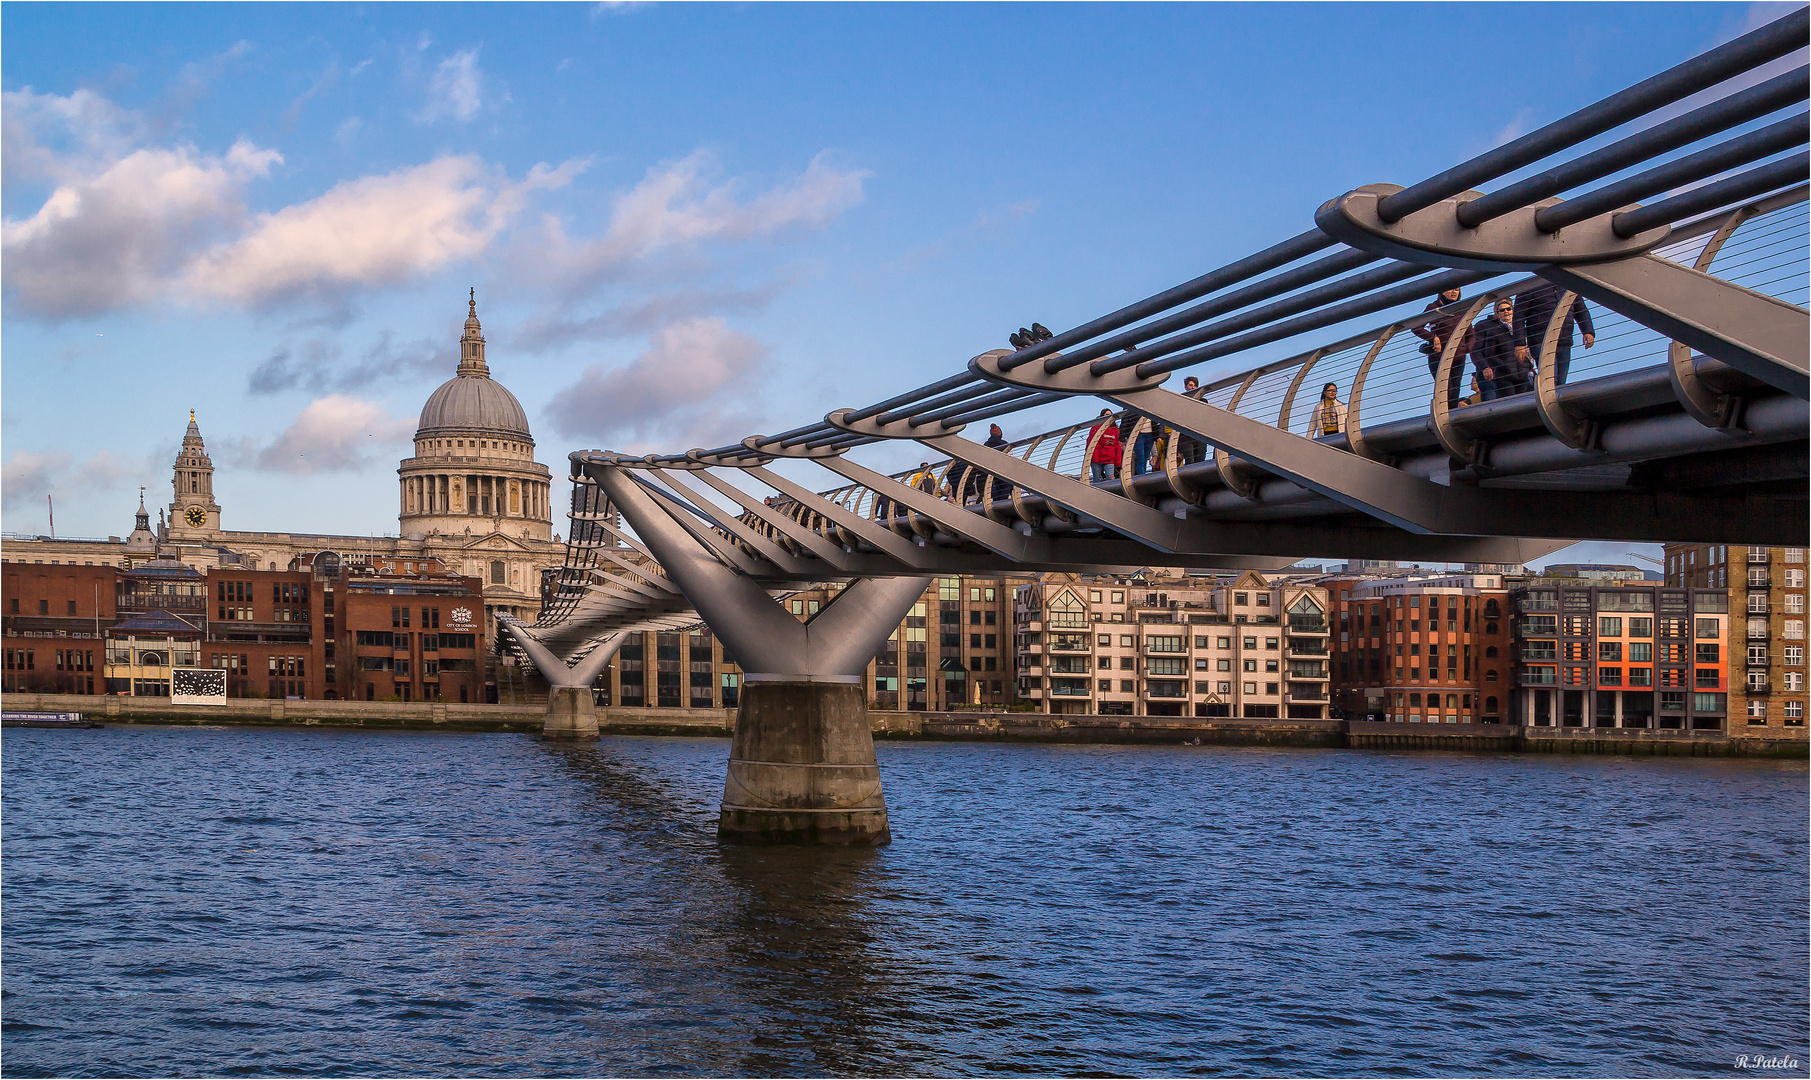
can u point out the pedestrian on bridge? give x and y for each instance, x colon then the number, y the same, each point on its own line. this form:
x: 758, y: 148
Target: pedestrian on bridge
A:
x: 1103, y: 463
x: 1188, y: 448
x: 1329, y: 416
x: 1533, y: 311
x: 1437, y: 332
x: 1502, y: 370
x: 996, y: 440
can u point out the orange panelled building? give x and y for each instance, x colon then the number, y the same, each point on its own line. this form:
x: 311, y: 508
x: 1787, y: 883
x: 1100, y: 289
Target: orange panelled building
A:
x: 1630, y: 657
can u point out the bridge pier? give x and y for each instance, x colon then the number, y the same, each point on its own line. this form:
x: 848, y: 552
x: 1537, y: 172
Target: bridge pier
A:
x: 571, y: 708
x: 802, y: 766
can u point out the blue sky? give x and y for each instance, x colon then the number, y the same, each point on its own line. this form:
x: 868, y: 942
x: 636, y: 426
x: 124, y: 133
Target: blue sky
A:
x: 685, y: 223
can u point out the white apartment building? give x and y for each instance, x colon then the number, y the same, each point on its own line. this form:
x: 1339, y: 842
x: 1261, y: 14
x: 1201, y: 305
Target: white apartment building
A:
x: 1172, y: 646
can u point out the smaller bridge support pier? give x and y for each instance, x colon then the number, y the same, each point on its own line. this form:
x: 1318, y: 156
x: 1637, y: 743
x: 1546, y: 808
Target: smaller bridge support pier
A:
x: 802, y: 766
x: 571, y: 709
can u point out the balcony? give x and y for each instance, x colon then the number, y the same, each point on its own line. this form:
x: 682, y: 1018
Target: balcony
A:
x: 1305, y: 693
x: 1761, y: 686
x: 1313, y: 672
x: 1306, y: 648
x: 1757, y: 633
x: 1538, y: 678
x: 1526, y: 604
x: 1759, y: 579
x: 1068, y: 691
x: 1307, y: 624
x: 1540, y: 656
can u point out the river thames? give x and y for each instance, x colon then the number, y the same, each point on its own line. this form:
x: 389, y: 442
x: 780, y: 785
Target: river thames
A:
x: 296, y: 901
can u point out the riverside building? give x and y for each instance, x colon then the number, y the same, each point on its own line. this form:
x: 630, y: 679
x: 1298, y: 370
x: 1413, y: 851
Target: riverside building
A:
x: 1433, y: 649
x: 393, y: 630
x: 1172, y: 646
x: 1626, y: 657
x: 1765, y: 591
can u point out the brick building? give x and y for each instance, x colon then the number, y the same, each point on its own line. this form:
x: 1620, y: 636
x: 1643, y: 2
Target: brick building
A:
x: 1642, y: 657
x: 395, y: 629
x: 1421, y: 649
x: 1765, y: 592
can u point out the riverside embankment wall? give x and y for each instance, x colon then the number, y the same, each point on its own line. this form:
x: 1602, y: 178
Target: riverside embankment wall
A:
x: 974, y: 727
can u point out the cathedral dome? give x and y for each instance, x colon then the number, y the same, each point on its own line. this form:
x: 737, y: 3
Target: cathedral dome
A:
x: 468, y: 402
x: 472, y: 400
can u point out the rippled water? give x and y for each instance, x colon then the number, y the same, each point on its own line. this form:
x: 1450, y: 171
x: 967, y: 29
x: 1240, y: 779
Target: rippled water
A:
x: 208, y: 902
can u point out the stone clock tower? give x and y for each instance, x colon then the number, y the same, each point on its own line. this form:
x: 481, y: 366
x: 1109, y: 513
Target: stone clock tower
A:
x: 194, y: 513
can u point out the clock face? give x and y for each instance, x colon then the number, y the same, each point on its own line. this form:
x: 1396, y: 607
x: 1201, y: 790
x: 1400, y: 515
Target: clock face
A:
x: 196, y: 516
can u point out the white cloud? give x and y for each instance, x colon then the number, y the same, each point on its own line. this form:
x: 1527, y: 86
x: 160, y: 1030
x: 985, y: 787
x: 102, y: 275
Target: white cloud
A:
x: 689, y: 383
x: 129, y: 226
x: 337, y: 433
x: 112, y: 238
x: 377, y: 230
x: 678, y: 204
x: 63, y: 138
x: 27, y: 477
x: 457, y: 89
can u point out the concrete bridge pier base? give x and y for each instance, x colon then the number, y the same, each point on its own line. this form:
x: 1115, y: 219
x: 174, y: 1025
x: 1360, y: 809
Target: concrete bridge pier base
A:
x: 802, y: 767
x: 571, y: 713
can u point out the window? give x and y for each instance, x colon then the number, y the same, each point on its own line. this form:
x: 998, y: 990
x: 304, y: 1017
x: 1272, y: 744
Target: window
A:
x: 1641, y: 627
x: 1793, y: 629
x: 1106, y: 641
x: 1126, y: 641
x: 1795, y: 579
x: 1270, y: 643
x: 1263, y: 599
x: 1240, y: 599
x: 496, y: 572
x: 1795, y: 603
x: 1707, y: 654
x: 1640, y: 676
x: 1251, y: 643
x: 1707, y: 677
x: 1757, y: 712
x: 1223, y: 643
x: 798, y: 607
x: 1251, y: 688
x: 1640, y: 652
x: 1611, y: 650
x: 1251, y: 665
x: 1224, y: 688
x: 1119, y: 596
x: 1709, y: 628
x: 1793, y: 555
x: 1609, y: 626
x: 1795, y: 681
x: 1795, y: 710
x: 1222, y: 665
x: 1106, y: 686
x: 1094, y: 596
x: 1166, y: 644
x: 1795, y: 655
x: 1609, y: 676
x: 1708, y: 703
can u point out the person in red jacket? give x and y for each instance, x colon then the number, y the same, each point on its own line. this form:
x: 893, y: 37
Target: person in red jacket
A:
x: 1103, y: 464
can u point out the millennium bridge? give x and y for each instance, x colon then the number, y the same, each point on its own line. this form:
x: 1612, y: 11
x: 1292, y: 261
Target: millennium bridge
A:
x: 1679, y: 249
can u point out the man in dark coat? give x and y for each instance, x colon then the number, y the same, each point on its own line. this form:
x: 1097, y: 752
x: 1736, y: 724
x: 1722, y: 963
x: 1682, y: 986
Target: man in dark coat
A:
x: 996, y: 439
x: 1493, y: 354
x: 1533, y: 311
x: 1435, y: 333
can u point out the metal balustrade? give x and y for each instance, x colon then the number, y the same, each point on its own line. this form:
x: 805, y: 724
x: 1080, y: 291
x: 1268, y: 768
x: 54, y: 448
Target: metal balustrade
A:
x: 1690, y: 398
